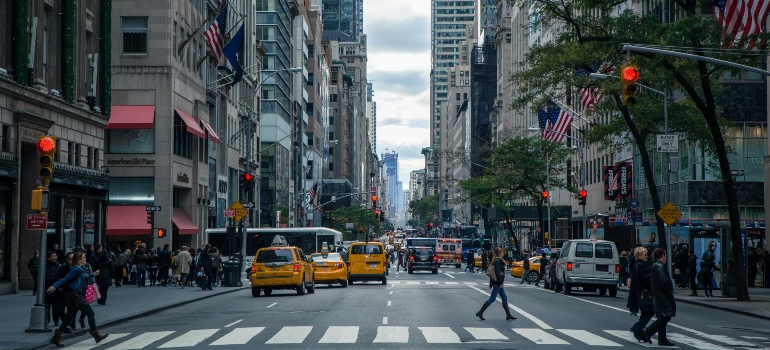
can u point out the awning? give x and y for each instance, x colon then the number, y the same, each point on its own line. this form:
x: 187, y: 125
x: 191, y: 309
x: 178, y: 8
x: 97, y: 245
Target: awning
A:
x: 211, y: 132
x: 127, y: 220
x: 131, y: 117
x: 192, y: 126
x: 183, y: 222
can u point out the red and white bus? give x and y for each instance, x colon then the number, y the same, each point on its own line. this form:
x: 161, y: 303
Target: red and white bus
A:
x: 449, y: 251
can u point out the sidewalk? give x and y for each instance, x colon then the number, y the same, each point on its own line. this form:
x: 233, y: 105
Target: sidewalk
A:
x: 759, y: 306
x: 123, y: 303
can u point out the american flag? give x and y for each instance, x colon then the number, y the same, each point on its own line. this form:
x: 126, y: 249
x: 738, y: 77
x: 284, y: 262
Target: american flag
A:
x: 741, y: 18
x: 559, y: 122
x: 214, y: 35
x: 311, y: 192
x: 590, y: 96
x: 542, y: 119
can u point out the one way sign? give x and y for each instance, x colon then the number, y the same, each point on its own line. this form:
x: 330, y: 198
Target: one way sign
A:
x: 667, y: 143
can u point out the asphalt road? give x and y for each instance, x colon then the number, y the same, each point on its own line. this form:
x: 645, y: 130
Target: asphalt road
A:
x: 420, y: 311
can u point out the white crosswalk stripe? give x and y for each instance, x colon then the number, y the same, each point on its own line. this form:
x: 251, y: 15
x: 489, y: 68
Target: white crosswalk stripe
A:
x: 588, y: 337
x: 190, y: 338
x: 628, y: 336
x: 392, y: 334
x: 290, y: 335
x: 337, y: 334
x: 89, y: 343
x: 539, y: 336
x: 696, y: 343
x: 239, y: 336
x: 485, y: 333
x: 439, y: 335
x: 140, y: 341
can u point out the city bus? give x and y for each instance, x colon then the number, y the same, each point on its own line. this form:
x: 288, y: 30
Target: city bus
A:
x: 309, y: 239
x: 421, y: 242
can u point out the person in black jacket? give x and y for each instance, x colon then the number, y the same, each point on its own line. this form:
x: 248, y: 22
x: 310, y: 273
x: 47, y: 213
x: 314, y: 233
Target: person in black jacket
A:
x: 543, y: 264
x: 496, y: 285
x: 640, y: 294
x: 164, y: 262
x: 59, y: 297
x: 51, y: 267
x: 104, y: 280
x: 692, y: 272
x: 204, y: 260
x: 34, y: 266
x: 662, y: 297
x: 141, y: 260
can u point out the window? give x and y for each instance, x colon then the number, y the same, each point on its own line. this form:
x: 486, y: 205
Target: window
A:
x: 182, y: 138
x: 70, y: 153
x: 331, y: 120
x: 333, y: 98
x: 331, y: 151
x: 331, y: 166
x: 310, y: 78
x: 77, y: 155
x: 584, y: 250
x: 5, y: 143
x: 331, y: 136
x: 603, y: 251
x: 458, y: 96
x: 134, y: 34
x: 175, y: 41
x: 465, y: 95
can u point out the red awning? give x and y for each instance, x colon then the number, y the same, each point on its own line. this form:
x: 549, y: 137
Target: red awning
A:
x: 131, y: 117
x: 192, y: 126
x: 211, y: 132
x: 127, y: 220
x: 183, y: 222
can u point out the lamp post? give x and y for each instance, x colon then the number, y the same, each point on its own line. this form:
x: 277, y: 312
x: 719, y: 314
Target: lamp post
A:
x: 597, y: 76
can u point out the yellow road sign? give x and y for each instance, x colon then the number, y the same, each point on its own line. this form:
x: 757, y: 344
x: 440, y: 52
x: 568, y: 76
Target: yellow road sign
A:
x: 669, y: 213
x: 240, y: 211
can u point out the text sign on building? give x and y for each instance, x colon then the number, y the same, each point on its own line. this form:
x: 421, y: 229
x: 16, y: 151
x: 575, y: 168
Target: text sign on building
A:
x: 667, y: 143
x: 617, y: 181
x: 37, y: 222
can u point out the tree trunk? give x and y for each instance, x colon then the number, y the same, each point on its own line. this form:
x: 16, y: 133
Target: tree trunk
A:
x: 540, y: 220
x: 516, y: 242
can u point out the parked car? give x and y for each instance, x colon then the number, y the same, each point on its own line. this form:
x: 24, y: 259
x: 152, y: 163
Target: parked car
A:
x: 549, y: 278
x: 534, y: 268
x: 589, y: 264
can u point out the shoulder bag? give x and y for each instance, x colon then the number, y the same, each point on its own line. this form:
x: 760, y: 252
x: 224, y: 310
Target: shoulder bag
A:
x: 491, y: 272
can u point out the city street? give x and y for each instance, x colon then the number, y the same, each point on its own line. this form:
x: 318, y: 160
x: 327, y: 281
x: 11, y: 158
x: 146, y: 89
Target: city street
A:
x: 418, y: 311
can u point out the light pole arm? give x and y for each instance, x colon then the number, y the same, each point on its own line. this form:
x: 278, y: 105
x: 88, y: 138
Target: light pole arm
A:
x: 345, y: 196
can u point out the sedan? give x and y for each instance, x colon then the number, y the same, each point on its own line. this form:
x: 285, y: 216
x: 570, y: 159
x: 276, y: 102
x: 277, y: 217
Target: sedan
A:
x: 534, y: 268
x: 330, y: 269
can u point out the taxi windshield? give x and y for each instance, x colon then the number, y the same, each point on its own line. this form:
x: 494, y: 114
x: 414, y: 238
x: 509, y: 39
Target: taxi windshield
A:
x: 365, y: 249
x: 326, y: 257
x: 277, y: 255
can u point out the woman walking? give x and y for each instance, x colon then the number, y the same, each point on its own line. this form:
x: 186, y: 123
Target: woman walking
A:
x: 496, y: 284
x: 76, y: 282
x: 640, y: 294
x: 106, y: 269
x: 141, y: 260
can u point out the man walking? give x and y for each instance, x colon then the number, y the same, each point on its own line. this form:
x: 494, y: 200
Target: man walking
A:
x: 182, y: 263
x: 120, y: 266
x: 164, y: 262
x: 525, y: 276
x: 471, y: 260
x: 543, y: 264
x: 204, y: 261
x: 662, y: 298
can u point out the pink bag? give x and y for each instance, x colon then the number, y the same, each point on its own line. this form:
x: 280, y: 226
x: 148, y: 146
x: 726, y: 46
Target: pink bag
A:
x: 92, y: 293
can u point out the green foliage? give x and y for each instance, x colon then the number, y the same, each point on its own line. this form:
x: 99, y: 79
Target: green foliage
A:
x: 360, y: 217
x: 423, y: 211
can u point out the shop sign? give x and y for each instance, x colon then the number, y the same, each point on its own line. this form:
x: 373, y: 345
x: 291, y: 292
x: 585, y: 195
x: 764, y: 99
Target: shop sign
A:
x: 182, y: 177
x: 135, y: 161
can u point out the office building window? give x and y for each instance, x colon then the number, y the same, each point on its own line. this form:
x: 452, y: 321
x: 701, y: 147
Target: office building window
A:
x: 331, y: 166
x: 134, y: 34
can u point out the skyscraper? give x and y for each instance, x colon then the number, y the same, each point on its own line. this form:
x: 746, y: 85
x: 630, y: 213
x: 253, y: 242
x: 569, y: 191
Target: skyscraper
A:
x: 346, y: 16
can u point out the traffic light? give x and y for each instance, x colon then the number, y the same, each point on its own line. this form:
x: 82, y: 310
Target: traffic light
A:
x: 40, y: 199
x: 544, y: 196
x: 374, y: 201
x: 628, y: 76
x: 150, y: 217
x: 376, y: 213
x: 582, y: 197
x: 46, y: 147
x: 247, y: 180
x: 160, y: 232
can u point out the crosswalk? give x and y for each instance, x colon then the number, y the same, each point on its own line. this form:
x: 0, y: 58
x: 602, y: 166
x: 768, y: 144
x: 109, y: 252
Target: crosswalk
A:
x: 443, y: 283
x: 307, y: 335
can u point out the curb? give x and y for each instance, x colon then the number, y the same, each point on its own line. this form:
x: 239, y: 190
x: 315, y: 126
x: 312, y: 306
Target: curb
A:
x: 142, y: 314
x: 715, y: 307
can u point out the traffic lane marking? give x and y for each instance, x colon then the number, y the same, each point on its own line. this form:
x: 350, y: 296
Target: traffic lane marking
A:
x: 233, y: 323
x: 450, y: 276
x: 271, y: 305
x: 532, y: 318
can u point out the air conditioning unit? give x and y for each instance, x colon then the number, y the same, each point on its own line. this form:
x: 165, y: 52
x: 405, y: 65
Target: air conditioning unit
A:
x: 54, y: 93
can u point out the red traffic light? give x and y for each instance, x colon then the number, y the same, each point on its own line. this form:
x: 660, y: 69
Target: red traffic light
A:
x: 629, y: 73
x: 248, y: 177
x: 46, y: 145
x: 374, y: 198
x: 545, y: 194
x: 583, y: 193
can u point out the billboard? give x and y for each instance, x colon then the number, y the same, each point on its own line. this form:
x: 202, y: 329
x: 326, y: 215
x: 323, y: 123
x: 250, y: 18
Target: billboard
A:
x: 617, y: 181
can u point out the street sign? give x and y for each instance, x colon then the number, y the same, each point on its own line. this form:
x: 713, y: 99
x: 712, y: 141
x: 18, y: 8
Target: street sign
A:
x: 248, y: 205
x: 669, y: 213
x: 349, y: 226
x: 152, y: 208
x: 739, y: 172
x: 446, y: 225
x: 229, y: 213
x: 240, y: 212
x: 634, y: 204
x: 667, y: 143
x: 37, y: 222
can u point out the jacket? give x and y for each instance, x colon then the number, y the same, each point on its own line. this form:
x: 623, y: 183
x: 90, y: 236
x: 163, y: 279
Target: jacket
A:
x: 499, y: 272
x: 75, y: 279
x: 662, y: 291
x: 204, y: 261
x: 526, y: 263
x: 543, y: 264
x: 33, y: 265
x: 141, y: 260
x: 120, y: 259
x: 183, y: 261
x: 50, y: 273
x: 106, y: 270
x: 640, y: 282
x: 691, y: 266
x: 216, y: 260
x: 164, y: 258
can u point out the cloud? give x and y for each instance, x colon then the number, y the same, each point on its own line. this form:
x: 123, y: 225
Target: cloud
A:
x: 404, y: 34
x: 409, y: 82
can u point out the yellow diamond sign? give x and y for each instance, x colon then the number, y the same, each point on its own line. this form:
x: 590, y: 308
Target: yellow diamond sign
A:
x: 240, y: 211
x: 669, y: 213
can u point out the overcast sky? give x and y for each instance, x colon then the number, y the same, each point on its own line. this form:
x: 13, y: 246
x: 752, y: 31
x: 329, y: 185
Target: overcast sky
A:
x: 398, y: 32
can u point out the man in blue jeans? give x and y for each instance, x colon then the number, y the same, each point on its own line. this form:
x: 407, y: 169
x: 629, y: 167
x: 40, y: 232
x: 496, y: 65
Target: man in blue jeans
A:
x: 525, y: 276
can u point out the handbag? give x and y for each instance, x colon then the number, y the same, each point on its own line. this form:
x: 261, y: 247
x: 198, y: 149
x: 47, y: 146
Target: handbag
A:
x: 92, y: 293
x: 645, y: 303
x: 491, y: 272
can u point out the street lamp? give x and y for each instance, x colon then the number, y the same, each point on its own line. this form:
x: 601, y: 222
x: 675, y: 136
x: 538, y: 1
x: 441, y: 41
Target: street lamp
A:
x: 597, y: 76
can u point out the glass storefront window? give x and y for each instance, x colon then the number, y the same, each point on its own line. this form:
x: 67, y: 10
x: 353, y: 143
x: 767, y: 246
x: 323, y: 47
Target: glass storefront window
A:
x: 131, y: 141
x: 5, y: 239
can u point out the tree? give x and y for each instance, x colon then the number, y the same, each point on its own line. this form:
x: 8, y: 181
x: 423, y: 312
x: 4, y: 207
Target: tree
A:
x: 361, y: 218
x: 516, y: 172
x: 588, y: 33
x: 423, y: 210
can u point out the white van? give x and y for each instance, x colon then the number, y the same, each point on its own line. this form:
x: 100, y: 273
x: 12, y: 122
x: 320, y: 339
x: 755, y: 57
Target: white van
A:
x: 589, y: 264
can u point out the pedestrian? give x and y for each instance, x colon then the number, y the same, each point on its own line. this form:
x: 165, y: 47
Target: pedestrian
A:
x: 216, y: 266
x: 204, y: 261
x: 707, y: 267
x: 89, y: 269
x: 33, y: 265
x: 59, y: 253
x: 496, y: 284
x: 107, y: 268
x: 51, y: 267
x: 623, y: 275
x: 183, y: 261
x: 400, y: 259
x: 543, y: 264
x: 681, y: 261
x: 120, y: 266
x: 484, y: 262
x: 751, y: 262
x: 141, y: 260
x: 692, y: 273
x: 152, y: 267
x: 59, y: 297
x: 662, y: 298
x: 164, y: 262
x: 130, y: 266
x: 471, y: 259
x: 525, y: 276
x: 640, y: 294
x: 76, y: 283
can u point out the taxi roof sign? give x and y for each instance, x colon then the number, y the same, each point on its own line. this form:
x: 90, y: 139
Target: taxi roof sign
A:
x: 324, y: 247
x: 279, y: 241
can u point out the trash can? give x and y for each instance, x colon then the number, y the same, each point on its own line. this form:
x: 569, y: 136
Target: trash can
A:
x: 232, y: 274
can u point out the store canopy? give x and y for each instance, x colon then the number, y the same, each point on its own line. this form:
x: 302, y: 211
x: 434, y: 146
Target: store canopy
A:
x: 211, y: 132
x: 192, y: 126
x: 131, y: 117
x: 127, y: 220
x: 183, y: 222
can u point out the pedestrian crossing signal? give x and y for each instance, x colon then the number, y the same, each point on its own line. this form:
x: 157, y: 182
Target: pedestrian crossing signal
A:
x: 160, y: 232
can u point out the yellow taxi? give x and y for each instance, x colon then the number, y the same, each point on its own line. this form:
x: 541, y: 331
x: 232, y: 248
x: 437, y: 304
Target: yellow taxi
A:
x: 281, y: 267
x: 367, y: 262
x: 330, y: 268
x: 534, y: 268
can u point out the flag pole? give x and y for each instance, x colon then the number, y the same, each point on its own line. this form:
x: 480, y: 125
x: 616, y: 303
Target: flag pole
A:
x: 184, y: 43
